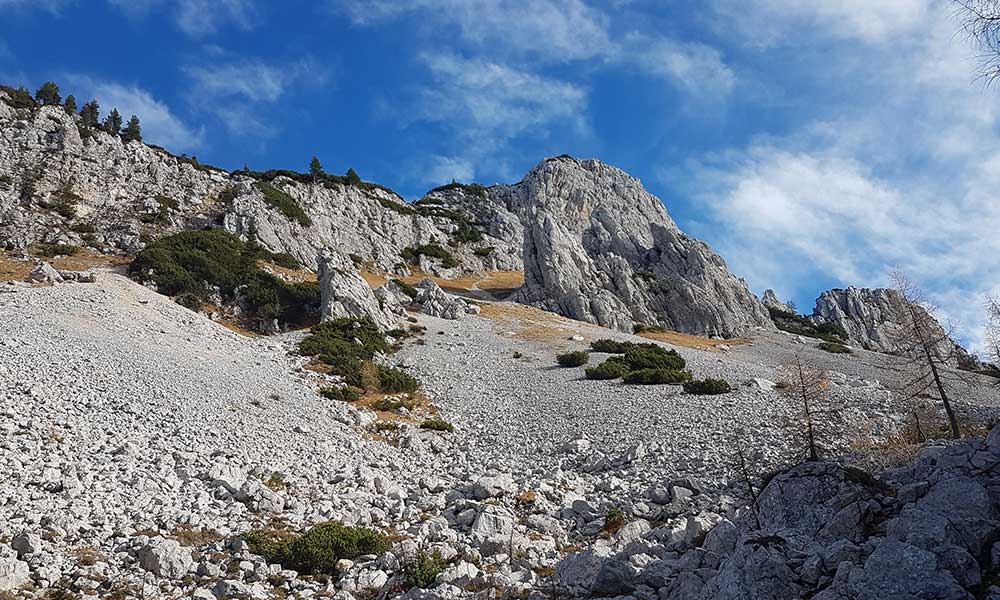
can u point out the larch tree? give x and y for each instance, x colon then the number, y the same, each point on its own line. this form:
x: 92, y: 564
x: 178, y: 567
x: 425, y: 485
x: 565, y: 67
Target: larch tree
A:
x: 981, y: 23
x: 925, y: 347
x: 807, y: 388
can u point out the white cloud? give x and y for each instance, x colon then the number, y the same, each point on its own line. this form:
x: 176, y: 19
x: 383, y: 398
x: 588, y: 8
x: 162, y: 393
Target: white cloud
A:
x: 770, y: 22
x: 53, y: 6
x: 159, y: 125
x: 442, y: 169
x: 905, y: 173
x: 255, y: 81
x: 697, y: 68
x: 547, y: 30
x: 480, y: 98
x: 203, y: 17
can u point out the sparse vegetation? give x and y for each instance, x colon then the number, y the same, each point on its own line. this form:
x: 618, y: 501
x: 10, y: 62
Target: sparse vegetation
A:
x: 198, y: 262
x: 389, y: 404
x: 651, y: 356
x: 474, y: 189
x: 572, y: 359
x: 834, y: 348
x: 345, y: 346
x: 345, y: 393
x: 422, y: 569
x: 412, y: 255
x: 484, y: 252
x: 437, y: 425
x: 613, y: 521
x: 316, y: 551
x: 707, y: 387
x: 53, y: 250
x: 800, y: 325
x: 285, y: 204
x: 657, y: 377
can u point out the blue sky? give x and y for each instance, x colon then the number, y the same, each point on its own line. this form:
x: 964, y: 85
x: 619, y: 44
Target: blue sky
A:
x: 813, y: 144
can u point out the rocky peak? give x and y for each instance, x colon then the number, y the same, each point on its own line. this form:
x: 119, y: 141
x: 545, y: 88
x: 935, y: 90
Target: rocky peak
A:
x: 598, y: 247
x: 771, y: 302
x: 873, y: 319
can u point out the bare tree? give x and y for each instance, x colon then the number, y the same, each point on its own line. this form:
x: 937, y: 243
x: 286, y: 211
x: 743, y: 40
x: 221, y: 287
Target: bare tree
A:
x: 741, y: 464
x: 981, y: 23
x: 992, y: 338
x: 807, y: 386
x: 925, y: 346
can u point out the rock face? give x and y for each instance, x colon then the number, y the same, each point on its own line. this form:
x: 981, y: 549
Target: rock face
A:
x: 599, y: 248
x: 433, y: 301
x: 344, y: 293
x: 771, y: 301
x: 62, y: 184
x: 873, y: 319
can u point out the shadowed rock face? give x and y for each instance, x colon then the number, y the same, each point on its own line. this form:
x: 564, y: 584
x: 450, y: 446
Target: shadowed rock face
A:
x: 598, y: 247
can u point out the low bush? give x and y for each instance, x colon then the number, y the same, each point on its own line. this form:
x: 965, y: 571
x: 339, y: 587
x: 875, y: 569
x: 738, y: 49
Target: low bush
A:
x: 422, y: 569
x: 707, y: 387
x: 412, y: 255
x: 347, y: 393
x: 197, y: 262
x: 484, y: 252
x: 282, y: 201
x: 651, y: 356
x: 643, y: 328
x: 394, y: 381
x: 317, y: 551
x: 613, y: 368
x: 573, y: 359
x: 344, y: 336
x: 406, y: 288
x: 393, y: 404
x: 801, y: 325
x: 467, y: 233
x: 53, y: 250
x: 657, y: 377
x: 834, y: 348
x: 614, y: 520
x: 437, y: 425
x: 469, y: 188
x: 610, y: 346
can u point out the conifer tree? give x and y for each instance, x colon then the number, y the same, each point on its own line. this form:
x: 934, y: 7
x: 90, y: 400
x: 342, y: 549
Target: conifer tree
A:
x: 90, y: 114
x: 316, y: 169
x: 132, y: 131
x: 113, y: 124
x: 70, y: 105
x: 352, y: 177
x: 48, y: 94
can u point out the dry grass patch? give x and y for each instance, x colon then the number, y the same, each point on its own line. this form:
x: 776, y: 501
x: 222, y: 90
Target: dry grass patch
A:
x: 696, y: 342
x: 295, y: 275
x: 498, y: 282
x: 189, y: 536
x: 530, y: 323
x: 88, y: 556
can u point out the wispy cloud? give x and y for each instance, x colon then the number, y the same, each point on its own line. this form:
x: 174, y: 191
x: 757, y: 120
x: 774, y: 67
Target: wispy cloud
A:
x: 159, y: 124
x: 51, y: 6
x: 196, y: 18
x: 256, y: 83
x: 903, y: 173
x: 694, y: 67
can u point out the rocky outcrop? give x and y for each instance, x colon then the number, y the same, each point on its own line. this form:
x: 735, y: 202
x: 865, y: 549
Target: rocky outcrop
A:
x: 344, y: 293
x: 771, y: 302
x: 877, y: 319
x: 60, y: 183
x: 433, y: 301
x: 599, y: 248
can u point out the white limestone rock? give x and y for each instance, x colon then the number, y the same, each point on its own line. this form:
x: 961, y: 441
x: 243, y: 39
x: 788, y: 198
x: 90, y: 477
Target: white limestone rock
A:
x: 344, y: 293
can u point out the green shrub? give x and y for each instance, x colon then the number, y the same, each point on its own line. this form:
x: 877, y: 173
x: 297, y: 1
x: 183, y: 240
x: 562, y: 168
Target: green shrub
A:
x: 282, y: 201
x: 394, y: 206
x: 572, y: 359
x: 412, y: 255
x: 834, y: 348
x: 393, y: 404
x: 484, y: 252
x: 167, y: 202
x: 467, y: 233
x: 437, y: 425
x: 614, y: 520
x: 189, y: 300
x: 610, y: 346
x: 393, y: 381
x: 657, y: 376
x: 53, y: 250
x: 642, y: 328
x: 421, y: 570
x: 801, y: 325
x: 194, y: 262
x: 18, y: 98
x: 707, y: 387
x: 344, y: 336
x: 347, y: 393
x: 613, y: 368
x: 651, y: 356
x: 406, y: 288
x: 317, y: 551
